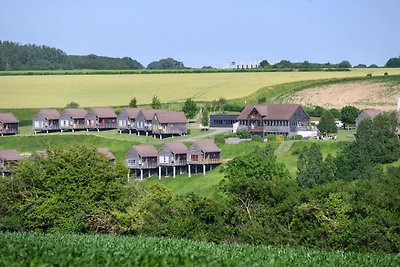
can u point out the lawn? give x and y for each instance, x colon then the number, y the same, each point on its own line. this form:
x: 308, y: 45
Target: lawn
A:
x: 117, y: 90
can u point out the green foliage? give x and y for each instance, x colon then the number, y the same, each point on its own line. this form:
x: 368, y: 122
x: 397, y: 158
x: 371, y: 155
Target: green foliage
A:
x: 262, y: 100
x: 243, y: 134
x: 256, y: 138
x: 133, y: 103
x: 72, y: 105
x: 219, y: 139
x: 327, y: 123
x: 155, y: 102
x: 264, y: 64
x: 344, y: 64
x: 393, y: 62
x: 94, y: 62
x: 205, y: 118
x: 348, y: 114
x: 335, y: 113
x: 190, y: 108
x: 165, y: 64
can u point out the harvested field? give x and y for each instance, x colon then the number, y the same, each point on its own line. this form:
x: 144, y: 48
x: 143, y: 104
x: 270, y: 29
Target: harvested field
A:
x: 359, y: 94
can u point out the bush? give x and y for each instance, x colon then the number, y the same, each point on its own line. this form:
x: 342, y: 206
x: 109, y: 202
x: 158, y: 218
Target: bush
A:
x: 294, y: 137
x: 242, y: 134
x: 256, y: 138
x: 219, y: 139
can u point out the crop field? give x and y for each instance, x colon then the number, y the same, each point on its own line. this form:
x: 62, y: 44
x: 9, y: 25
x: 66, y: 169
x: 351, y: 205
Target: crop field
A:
x: 117, y: 90
x: 30, y: 249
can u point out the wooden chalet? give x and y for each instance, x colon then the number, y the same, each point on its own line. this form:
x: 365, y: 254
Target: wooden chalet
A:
x: 72, y: 119
x: 107, y: 153
x: 285, y: 119
x: 205, y: 153
x: 223, y: 120
x: 141, y: 158
x: 100, y: 119
x: 172, y: 156
x: 367, y: 114
x: 46, y: 120
x: 8, y: 124
x: 127, y: 119
x: 168, y: 123
x: 8, y: 161
x: 144, y: 120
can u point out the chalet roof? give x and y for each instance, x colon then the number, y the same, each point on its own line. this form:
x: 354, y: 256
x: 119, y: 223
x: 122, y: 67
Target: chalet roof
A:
x: 370, y: 113
x: 8, y: 118
x: 76, y: 112
x: 149, y: 113
x: 10, y: 154
x: 207, y: 146
x: 132, y: 112
x: 271, y: 111
x: 106, y: 152
x: 146, y: 150
x: 104, y: 112
x: 50, y: 114
x: 171, y: 117
x: 177, y: 147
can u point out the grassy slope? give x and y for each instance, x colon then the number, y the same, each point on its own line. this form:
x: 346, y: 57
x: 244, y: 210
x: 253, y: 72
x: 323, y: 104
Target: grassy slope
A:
x: 29, y: 249
x: 116, y: 90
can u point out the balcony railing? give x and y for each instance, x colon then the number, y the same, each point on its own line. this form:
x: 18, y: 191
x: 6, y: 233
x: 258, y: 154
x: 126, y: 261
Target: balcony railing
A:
x: 206, y: 161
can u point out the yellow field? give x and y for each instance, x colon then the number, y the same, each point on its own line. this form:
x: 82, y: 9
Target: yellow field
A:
x: 115, y: 90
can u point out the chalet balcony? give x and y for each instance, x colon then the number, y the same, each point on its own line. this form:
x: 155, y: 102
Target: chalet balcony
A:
x: 280, y: 129
x: 9, y: 131
x: 144, y: 165
x: 255, y: 128
x: 174, y: 163
x: 206, y: 161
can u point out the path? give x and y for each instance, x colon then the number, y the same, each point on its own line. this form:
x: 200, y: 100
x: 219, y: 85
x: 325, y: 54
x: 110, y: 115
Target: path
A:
x: 283, y: 147
x: 206, y: 134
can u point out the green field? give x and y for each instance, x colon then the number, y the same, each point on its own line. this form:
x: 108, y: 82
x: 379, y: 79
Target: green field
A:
x: 116, y: 90
x: 29, y: 249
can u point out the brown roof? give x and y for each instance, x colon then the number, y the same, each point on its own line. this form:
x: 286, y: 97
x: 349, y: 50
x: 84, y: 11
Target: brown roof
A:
x: 271, y: 111
x: 132, y: 112
x: 146, y: 150
x: 177, y: 147
x: 149, y: 113
x: 50, y: 114
x: 8, y: 118
x: 106, y: 152
x: 207, y: 146
x: 10, y: 154
x: 371, y: 113
x: 76, y: 112
x: 104, y: 112
x: 171, y: 117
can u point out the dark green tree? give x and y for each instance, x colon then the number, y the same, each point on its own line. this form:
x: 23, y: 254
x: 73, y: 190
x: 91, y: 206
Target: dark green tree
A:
x: 205, y: 119
x: 309, y: 166
x: 344, y: 64
x: 133, y: 103
x: 155, y: 102
x: 264, y: 64
x: 393, y: 62
x: 348, y: 115
x: 164, y: 64
x: 335, y: 112
x: 190, y: 108
x: 72, y: 105
x: 327, y: 123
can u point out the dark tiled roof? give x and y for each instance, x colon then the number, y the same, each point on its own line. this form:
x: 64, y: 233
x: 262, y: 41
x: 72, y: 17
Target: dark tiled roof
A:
x: 207, y: 146
x: 106, y: 152
x: 146, y: 150
x: 171, y: 117
x: 149, y: 113
x: 177, y: 147
x: 10, y: 154
x: 76, y: 112
x: 104, y: 112
x: 371, y: 113
x: 8, y: 118
x: 132, y: 112
x: 50, y: 114
x: 271, y: 111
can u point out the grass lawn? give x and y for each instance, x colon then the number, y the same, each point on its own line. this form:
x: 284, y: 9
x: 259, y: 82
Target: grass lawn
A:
x: 117, y: 90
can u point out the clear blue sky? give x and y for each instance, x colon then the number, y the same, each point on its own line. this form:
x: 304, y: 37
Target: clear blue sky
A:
x: 206, y: 32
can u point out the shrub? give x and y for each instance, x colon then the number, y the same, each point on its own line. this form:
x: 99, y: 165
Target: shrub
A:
x: 219, y: 139
x: 256, y: 138
x: 242, y: 134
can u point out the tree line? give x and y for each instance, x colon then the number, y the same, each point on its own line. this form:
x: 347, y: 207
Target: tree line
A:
x: 345, y: 202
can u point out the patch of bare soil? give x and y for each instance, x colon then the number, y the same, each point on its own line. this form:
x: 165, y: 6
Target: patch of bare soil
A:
x: 359, y: 94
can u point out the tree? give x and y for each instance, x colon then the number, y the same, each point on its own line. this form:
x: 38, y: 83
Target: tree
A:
x: 164, y: 64
x: 360, y: 66
x: 373, y: 66
x: 155, y: 102
x: 344, y: 64
x: 190, y: 108
x: 72, y: 105
x: 335, y: 112
x: 309, y: 166
x: 348, y: 114
x: 327, y: 123
x: 133, y: 103
x: 264, y: 64
x: 393, y: 62
x: 205, y: 120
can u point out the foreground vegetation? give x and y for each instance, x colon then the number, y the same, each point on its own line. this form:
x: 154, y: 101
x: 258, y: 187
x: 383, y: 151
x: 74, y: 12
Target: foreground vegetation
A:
x: 24, y: 249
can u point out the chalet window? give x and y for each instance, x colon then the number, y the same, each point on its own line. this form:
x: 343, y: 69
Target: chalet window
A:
x: 122, y: 123
x: 194, y: 157
x: 131, y: 162
x: 164, y: 159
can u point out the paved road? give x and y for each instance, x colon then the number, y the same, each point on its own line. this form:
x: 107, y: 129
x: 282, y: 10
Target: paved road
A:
x: 206, y: 134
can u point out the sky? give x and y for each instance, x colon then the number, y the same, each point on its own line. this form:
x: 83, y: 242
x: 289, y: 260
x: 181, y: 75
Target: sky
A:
x: 210, y: 33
